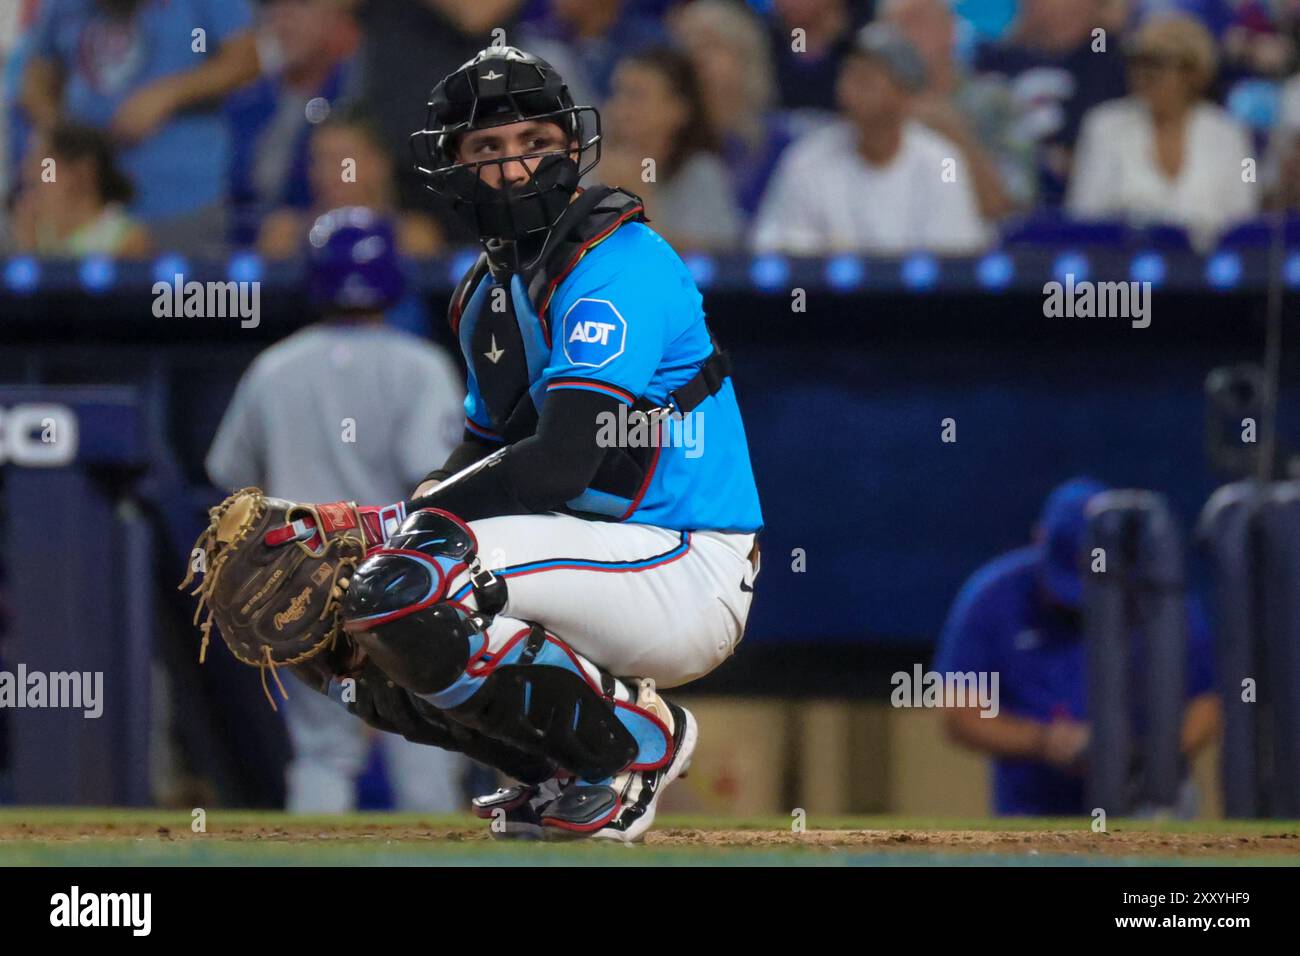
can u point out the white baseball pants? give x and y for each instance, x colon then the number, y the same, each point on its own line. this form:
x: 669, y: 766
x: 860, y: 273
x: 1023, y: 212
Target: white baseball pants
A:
x: 634, y: 599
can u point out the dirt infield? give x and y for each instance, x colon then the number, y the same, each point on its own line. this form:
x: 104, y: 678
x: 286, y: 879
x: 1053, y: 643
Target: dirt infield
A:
x: 1068, y: 842
x: 169, y: 833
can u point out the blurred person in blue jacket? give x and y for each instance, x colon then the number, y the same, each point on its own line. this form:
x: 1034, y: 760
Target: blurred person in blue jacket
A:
x: 348, y: 164
x: 346, y: 408
x: 153, y: 74
x: 308, y: 49
x: 1020, y: 616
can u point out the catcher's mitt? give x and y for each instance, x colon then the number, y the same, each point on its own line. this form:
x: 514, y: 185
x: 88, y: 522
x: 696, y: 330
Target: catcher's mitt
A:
x: 273, y: 575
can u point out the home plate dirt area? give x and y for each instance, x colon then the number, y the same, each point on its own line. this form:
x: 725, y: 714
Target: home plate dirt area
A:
x: 216, y: 837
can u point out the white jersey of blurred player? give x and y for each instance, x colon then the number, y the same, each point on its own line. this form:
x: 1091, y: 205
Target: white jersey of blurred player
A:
x: 336, y: 412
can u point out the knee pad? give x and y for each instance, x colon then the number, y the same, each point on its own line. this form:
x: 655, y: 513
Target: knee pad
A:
x: 423, y: 652
x: 395, y: 603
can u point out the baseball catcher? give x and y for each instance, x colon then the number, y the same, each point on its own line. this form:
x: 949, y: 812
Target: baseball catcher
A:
x: 582, y: 548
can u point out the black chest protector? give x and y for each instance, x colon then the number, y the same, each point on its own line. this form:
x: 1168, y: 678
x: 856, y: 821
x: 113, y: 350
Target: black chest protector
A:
x: 506, y: 351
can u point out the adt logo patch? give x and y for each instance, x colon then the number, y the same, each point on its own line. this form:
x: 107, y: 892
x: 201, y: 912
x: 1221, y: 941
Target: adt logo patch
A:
x: 594, y: 333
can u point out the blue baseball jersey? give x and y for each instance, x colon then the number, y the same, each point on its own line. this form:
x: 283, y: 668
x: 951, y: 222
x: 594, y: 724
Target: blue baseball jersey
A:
x: 628, y: 322
x: 1000, y: 622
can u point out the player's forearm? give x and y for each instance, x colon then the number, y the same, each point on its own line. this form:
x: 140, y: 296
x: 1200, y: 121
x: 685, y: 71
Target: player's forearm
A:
x: 233, y: 65
x: 540, y: 473
x: 470, y: 450
x: 1002, y: 736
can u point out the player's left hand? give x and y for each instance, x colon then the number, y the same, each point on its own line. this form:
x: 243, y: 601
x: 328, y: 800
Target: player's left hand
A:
x: 426, y: 487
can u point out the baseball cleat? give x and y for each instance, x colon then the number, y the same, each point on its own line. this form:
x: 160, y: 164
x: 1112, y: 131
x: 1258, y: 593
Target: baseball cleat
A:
x: 622, y: 808
x: 515, y: 811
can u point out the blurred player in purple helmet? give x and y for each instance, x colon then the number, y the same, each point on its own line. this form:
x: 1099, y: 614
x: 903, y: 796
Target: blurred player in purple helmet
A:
x: 346, y: 408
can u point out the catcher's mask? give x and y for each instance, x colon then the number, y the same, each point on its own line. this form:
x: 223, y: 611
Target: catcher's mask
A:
x: 500, y: 86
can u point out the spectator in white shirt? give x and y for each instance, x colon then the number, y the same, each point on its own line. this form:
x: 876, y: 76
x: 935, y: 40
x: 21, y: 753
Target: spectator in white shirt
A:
x: 877, y: 181
x: 1163, y: 154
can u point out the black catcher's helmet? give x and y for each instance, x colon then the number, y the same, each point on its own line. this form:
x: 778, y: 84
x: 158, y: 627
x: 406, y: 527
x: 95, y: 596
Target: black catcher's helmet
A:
x: 502, y: 85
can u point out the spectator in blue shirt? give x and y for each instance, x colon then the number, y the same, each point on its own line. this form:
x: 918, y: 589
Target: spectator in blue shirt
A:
x: 153, y: 73
x: 347, y: 165
x: 1020, y: 616
x: 312, y: 44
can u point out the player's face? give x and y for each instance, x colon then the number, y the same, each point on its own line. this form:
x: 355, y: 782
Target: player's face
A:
x: 529, y: 141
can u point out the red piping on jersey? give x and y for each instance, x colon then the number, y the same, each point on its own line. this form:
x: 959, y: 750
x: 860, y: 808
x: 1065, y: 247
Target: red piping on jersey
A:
x: 621, y: 394
x: 477, y: 429
x: 645, y: 485
x: 458, y: 307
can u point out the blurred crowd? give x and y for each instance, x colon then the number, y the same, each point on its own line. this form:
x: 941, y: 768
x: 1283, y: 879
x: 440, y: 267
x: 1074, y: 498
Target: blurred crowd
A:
x: 802, y: 126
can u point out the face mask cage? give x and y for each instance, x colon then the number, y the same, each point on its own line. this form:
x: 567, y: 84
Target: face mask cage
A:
x: 511, y: 211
